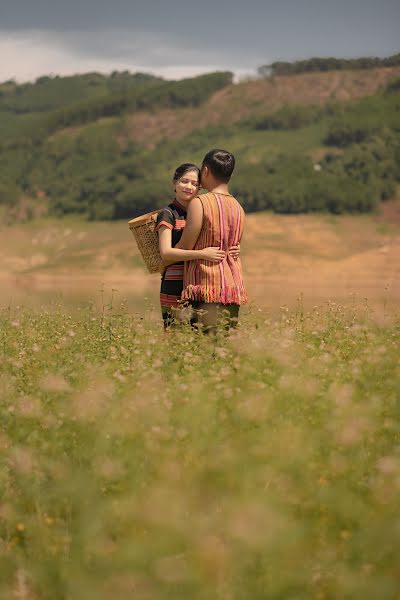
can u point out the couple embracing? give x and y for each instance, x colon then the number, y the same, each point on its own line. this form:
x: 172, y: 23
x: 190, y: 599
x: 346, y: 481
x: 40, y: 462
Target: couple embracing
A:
x: 199, y: 239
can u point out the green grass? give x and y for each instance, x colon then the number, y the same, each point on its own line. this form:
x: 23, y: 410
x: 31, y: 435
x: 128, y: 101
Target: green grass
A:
x: 250, y: 145
x: 136, y: 464
x: 259, y: 146
x: 13, y: 125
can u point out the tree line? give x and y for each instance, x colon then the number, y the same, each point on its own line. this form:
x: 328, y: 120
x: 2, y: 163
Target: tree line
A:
x: 318, y: 65
x: 52, y: 92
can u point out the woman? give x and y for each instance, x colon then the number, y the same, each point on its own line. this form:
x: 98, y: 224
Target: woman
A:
x: 171, y: 222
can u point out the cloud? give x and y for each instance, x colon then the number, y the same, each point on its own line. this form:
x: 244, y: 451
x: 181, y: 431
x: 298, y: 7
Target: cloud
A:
x: 29, y: 56
x: 33, y: 53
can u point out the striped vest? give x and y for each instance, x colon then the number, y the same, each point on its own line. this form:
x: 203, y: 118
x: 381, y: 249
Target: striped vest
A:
x: 222, y: 282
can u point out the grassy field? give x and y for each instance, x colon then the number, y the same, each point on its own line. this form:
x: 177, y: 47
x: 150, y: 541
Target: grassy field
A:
x: 347, y: 259
x: 138, y: 464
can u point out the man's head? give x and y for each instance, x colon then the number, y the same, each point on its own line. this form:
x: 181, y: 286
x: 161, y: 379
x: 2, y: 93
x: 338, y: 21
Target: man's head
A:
x: 217, y: 167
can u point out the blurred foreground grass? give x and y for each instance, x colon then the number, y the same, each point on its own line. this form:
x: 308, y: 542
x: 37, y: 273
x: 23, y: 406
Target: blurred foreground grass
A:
x: 138, y: 464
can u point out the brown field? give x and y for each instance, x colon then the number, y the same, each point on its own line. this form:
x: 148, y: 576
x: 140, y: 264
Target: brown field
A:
x: 315, y: 258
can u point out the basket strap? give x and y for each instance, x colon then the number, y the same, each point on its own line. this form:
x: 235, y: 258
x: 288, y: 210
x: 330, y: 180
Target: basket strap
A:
x: 172, y: 214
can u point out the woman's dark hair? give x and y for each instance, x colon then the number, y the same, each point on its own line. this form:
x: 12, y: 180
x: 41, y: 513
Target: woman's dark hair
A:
x: 221, y: 164
x: 185, y: 168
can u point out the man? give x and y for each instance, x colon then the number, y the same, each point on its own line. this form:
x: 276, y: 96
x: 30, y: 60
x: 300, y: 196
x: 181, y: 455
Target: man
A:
x: 215, y: 290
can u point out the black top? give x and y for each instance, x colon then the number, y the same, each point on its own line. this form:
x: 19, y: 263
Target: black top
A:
x: 172, y: 216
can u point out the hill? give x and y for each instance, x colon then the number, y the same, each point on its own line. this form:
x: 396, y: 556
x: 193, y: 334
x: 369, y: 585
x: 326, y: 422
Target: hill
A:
x: 262, y: 96
x: 305, y: 142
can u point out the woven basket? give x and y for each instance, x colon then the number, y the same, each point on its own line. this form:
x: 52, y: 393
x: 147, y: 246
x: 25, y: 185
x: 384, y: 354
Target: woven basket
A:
x: 144, y: 230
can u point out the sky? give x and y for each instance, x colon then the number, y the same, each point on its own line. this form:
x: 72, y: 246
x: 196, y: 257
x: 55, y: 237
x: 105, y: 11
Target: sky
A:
x: 178, y: 38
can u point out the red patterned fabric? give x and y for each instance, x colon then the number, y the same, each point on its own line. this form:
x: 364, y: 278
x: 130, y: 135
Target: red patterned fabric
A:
x: 169, y: 300
x: 172, y: 216
x: 206, y: 281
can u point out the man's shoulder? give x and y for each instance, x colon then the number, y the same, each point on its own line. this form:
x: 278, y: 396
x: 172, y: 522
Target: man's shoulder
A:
x: 197, y: 202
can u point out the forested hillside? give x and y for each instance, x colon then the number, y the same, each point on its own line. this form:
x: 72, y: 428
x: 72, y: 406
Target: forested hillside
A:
x: 49, y: 93
x: 105, y: 147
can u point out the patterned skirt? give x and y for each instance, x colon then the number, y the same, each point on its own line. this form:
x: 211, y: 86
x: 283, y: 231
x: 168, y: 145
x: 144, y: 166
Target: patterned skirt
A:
x: 170, y: 292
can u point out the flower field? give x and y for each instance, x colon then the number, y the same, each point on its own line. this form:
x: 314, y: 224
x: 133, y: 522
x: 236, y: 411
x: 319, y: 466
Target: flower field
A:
x: 139, y: 464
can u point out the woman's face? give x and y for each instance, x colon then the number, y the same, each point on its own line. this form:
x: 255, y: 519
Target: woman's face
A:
x: 187, y: 186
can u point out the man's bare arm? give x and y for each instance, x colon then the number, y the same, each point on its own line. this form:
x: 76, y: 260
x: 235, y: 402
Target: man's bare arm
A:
x: 194, y: 221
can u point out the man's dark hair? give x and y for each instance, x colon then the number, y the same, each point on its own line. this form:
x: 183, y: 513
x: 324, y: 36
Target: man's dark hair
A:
x: 221, y: 164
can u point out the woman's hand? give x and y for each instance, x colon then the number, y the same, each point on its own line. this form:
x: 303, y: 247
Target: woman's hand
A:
x: 213, y: 254
x: 234, y: 251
